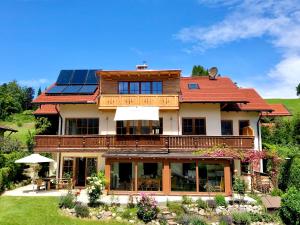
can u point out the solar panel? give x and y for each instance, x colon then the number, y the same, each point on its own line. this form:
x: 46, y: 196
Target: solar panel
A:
x: 64, y: 77
x: 92, y: 77
x: 88, y: 89
x: 79, y: 77
x: 56, y: 89
x: 72, y: 89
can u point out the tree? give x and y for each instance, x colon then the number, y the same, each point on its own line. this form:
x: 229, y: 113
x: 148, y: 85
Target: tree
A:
x: 298, y: 90
x: 39, y: 91
x: 199, y: 71
x: 28, y: 94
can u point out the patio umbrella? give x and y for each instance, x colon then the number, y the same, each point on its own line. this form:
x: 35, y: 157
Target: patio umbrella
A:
x: 33, y: 160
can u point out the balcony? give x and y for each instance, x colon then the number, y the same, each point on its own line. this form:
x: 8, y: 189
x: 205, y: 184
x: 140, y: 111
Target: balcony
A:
x: 137, y: 143
x: 162, y: 101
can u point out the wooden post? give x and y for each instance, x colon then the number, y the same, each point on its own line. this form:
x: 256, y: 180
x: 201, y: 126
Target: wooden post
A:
x: 107, y: 174
x: 135, y: 176
x: 227, y: 178
x: 197, y: 176
x: 166, y: 182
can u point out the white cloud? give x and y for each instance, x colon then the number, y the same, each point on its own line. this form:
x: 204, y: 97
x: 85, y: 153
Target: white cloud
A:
x: 34, y: 83
x: 277, y: 19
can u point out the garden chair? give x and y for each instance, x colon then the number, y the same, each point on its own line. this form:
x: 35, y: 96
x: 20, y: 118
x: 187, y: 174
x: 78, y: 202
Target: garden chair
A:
x: 40, y: 184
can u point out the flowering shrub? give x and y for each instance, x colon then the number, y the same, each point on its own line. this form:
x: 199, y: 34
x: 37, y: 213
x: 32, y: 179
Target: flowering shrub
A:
x: 96, y: 185
x: 147, y: 208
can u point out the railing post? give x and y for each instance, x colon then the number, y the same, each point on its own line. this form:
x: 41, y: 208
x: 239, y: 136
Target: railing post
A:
x: 83, y: 142
x: 59, y: 141
x: 107, y: 142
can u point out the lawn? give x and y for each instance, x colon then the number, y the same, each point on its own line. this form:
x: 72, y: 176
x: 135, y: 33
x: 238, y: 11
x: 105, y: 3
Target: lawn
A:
x: 293, y: 105
x: 38, y: 211
x: 21, y: 122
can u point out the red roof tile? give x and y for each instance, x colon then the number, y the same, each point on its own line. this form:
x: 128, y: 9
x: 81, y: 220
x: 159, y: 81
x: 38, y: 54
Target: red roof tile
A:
x: 46, y: 109
x: 221, y: 89
x: 278, y: 110
x: 46, y: 99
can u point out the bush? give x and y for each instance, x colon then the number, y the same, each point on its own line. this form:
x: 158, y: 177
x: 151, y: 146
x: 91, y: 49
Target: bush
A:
x: 276, y: 192
x: 290, y: 207
x: 128, y: 213
x: 175, y: 207
x: 242, y: 218
x: 220, y: 200
x: 82, y: 210
x: 147, y: 208
x: 196, y: 220
x: 186, y: 200
x: 201, y: 204
x: 239, y: 186
x: 186, y: 219
x: 67, y: 201
x: 294, y: 173
x: 96, y: 185
x: 211, y: 203
x: 264, y: 217
x: 225, y: 220
x: 4, y: 178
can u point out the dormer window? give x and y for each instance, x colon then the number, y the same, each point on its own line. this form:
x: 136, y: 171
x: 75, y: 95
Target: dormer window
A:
x: 193, y: 86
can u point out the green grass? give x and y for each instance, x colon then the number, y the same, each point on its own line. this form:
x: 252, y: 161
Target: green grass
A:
x: 39, y: 211
x: 293, y: 105
x: 25, y: 119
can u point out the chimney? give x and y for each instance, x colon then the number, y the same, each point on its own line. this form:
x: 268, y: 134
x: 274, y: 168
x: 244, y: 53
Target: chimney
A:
x: 143, y: 66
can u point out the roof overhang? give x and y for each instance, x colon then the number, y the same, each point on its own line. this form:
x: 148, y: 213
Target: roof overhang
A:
x: 116, y: 74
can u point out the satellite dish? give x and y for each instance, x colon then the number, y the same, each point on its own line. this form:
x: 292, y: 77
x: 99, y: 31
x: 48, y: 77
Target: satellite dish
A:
x: 213, y: 72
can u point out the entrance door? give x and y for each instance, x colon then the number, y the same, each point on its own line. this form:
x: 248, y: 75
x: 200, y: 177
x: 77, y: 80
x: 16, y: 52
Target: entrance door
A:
x: 80, y: 171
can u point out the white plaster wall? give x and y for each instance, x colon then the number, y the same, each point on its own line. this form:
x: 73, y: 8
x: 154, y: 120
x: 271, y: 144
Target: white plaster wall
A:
x: 236, y: 116
x: 170, y: 122
x: 209, y: 111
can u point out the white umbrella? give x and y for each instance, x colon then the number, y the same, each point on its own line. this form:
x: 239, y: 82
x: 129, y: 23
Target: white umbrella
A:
x: 33, y: 160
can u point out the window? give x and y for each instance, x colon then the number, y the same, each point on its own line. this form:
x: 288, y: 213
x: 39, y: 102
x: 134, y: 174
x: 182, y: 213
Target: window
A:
x: 139, y: 127
x: 183, y: 177
x: 134, y: 87
x: 226, y: 127
x: 121, y: 127
x: 122, y: 176
x: 245, y: 167
x: 193, y: 126
x: 82, y: 126
x: 149, y: 176
x: 193, y: 86
x: 211, y: 177
x: 242, y: 125
x: 123, y: 87
x: 143, y: 87
x: 157, y: 87
x: 68, y: 167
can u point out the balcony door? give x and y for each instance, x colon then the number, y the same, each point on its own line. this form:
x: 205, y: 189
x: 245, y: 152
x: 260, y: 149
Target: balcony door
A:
x: 80, y: 173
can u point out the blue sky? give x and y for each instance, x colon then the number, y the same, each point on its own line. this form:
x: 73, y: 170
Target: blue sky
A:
x: 256, y: 43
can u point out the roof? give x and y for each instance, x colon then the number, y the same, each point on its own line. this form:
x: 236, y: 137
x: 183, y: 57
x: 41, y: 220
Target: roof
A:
x: 218, y: 90
x: 47, y: 109
x: 278, y: 110
x: 124, y: 73
x: 256, y: 102
x: 5, y: 128
x: 65, y: 99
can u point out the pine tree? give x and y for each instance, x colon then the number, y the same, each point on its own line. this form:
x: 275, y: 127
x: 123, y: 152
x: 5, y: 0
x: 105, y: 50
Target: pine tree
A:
x: 199, y: 71
x: 39, y: 91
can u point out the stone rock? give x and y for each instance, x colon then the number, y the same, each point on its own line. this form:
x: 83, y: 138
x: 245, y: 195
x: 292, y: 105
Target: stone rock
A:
x: 118, y: 218
x: 131, y: 221
x: 113, y: 214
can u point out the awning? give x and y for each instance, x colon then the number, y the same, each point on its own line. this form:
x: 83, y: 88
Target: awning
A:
x: 137, y: 113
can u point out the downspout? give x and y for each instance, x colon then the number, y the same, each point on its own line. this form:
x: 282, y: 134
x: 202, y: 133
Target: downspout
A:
x: 259, y: 140
x: 59, y: 154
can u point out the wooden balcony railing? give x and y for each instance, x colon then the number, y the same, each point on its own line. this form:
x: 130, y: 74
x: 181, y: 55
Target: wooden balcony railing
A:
x: 173, y: 143
x: 162, y: 101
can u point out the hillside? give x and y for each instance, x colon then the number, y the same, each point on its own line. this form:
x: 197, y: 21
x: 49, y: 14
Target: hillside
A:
x: 22, y: 122
x: 293, y: 105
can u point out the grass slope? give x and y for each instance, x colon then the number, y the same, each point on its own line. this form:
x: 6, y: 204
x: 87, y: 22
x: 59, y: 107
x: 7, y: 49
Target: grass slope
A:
x: 293, y: 105
x: 21, y: 122
x: 38, y: 211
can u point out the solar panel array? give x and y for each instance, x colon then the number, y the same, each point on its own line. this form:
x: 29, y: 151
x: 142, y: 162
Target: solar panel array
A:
x: 75, y: 82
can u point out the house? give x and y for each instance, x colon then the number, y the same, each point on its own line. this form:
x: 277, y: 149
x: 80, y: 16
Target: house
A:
x: 142, y: 127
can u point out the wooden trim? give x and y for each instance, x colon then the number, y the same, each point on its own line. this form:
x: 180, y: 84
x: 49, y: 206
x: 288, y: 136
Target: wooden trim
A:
x: 107, y: 173
x: 166, y: 177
